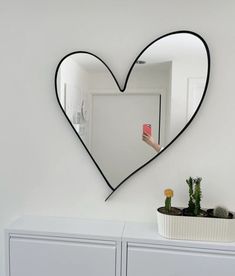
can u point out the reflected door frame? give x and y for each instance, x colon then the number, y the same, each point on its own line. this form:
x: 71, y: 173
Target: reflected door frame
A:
x: 134, y: 92
x: 192, y: 84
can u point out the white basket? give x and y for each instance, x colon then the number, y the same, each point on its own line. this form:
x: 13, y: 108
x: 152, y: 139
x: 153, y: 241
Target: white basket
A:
x: 196, y: 228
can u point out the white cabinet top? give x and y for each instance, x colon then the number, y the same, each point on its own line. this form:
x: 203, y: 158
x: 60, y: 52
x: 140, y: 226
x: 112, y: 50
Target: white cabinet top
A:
x: 132, y: 232
x: 148, y: 233
x: 67, y: 227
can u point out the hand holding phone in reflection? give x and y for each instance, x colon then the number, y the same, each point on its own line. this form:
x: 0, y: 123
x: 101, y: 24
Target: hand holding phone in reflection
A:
x: 147, y: 128
x: 148, y: 138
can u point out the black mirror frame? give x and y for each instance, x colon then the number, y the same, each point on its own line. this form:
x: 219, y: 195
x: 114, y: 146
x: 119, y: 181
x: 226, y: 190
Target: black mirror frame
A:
x: 123, y: 90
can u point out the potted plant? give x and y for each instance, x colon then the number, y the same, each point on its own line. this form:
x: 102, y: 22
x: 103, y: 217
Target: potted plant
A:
x: 195, y: 195
x: 220, y: 212
x: 168, y: 209
x: 194, y: 223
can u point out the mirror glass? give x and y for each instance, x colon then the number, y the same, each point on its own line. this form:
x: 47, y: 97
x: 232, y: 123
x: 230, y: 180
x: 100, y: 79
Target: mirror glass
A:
x: 123, y: 130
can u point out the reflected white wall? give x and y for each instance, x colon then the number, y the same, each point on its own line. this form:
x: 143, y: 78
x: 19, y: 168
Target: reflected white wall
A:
x: 73, y: 85
x: 182, y: 70
x: 84, y: 78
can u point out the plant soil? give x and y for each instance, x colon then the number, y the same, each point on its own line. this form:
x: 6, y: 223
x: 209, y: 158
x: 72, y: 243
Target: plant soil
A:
x: 211, y: 215
x: 187, y: 212
x: 173, y: 211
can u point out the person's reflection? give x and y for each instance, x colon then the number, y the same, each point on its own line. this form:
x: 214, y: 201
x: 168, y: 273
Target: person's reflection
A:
x: 148, y: 139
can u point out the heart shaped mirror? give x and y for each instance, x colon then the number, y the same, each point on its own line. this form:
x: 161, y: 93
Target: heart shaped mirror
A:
x: 125, y: 129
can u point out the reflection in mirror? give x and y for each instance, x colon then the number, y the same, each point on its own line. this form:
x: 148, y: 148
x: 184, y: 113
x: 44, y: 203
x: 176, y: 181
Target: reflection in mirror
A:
x: 124, y: 130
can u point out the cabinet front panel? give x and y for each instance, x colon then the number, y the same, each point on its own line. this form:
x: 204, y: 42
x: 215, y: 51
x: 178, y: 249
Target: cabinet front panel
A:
x: 32, y: 257
x: 154, y: 261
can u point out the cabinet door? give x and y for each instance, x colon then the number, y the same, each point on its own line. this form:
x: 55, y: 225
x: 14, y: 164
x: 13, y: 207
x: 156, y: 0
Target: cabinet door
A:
x: 145, y: 260
x: 41, y: 257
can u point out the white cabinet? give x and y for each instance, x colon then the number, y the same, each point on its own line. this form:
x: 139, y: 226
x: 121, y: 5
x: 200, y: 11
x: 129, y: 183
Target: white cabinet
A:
x: 47, y: 246
x: 145, y: 253
x: 37, y: 257
x: 150, y: 260
x: 64, y: 247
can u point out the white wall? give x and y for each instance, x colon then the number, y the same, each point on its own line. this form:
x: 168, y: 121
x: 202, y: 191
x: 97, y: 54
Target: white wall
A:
x: 44, y: 168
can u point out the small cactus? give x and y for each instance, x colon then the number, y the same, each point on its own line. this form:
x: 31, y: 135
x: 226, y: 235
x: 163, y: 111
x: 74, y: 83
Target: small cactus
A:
x: 191, y: 205
x: 220, y: 212
x: 197, y: 195
x: 169, y: 194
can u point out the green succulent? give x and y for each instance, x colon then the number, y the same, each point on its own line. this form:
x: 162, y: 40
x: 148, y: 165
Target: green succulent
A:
x: 195, y: 195
x: 191, y: 205
x: 220, y: 212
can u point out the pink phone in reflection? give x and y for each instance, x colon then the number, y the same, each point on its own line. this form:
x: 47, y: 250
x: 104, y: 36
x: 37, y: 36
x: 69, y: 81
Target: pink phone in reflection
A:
x: 147, y: 128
